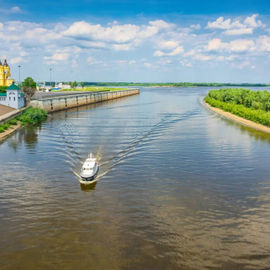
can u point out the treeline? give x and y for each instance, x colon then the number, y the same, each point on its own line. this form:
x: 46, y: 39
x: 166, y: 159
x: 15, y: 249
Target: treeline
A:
x: 258, y: 100
x: 180, y: 84
x: 251, y: 105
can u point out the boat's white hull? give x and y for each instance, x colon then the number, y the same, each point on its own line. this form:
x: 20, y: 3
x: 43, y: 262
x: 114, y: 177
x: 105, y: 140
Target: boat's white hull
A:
x: 89, y: 179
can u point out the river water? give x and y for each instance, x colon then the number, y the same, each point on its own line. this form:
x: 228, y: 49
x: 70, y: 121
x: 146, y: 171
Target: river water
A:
x: 179, y: 188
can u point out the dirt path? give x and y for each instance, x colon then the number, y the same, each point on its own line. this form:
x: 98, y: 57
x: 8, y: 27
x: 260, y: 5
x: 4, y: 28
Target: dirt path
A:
x: 5, y: 109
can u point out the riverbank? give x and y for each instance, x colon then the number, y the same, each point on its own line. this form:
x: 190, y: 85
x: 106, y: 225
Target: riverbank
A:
x: 238, y: 119
x: 31, y: 116
x: 9, y: 131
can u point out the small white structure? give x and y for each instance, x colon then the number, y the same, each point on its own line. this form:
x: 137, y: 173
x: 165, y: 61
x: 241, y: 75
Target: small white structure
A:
x: 13, y: 97
x: 63, y: 86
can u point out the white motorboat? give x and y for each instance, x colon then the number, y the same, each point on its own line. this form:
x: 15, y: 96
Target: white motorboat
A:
x: 89, y: 170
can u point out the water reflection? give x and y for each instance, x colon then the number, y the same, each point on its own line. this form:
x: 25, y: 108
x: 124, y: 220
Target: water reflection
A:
x: 89, y: 187
x: 27, y: 135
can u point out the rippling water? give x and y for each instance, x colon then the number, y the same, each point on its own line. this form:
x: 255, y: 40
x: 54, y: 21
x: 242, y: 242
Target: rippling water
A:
x: 179, y: 188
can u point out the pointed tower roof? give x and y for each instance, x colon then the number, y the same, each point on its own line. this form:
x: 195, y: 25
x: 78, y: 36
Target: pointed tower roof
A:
x: 5, y: 63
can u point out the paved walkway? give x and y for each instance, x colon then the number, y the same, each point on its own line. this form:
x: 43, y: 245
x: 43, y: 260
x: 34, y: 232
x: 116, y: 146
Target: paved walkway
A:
x: 5, y: 109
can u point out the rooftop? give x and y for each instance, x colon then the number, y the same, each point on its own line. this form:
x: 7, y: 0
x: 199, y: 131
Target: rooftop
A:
x: 13, y: 87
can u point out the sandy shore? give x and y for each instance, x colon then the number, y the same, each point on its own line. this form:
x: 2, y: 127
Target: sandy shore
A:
x: 8, y: 132
x: 239, y: 119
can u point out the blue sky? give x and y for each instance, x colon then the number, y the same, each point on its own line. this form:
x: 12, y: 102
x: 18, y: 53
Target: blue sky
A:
x: 128, y: 40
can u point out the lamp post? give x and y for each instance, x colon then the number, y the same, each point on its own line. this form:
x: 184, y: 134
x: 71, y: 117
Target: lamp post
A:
x: 19, y: 66
x: 51, y: 77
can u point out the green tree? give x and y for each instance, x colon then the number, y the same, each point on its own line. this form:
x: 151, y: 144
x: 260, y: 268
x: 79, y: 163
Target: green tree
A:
x: 29, y: 82
x: 74, y: 84
x: 29, y: 88
x: 82, y: 84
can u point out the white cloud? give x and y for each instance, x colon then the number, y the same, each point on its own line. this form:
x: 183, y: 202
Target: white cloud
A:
x: 240, y: 31
x: 175, y: 51
x: 202, y: 57
x: 251, y: 21
x: 56, y: 57
x: 160, y: 24
x: 195, y: 26
x: 244, y: 64
x: 263, y: 43
x: 119, y: 37
x: 81, y: 43
x: 115, y: 33
x: 186, y: 63
x: 237, y: 26
x: 148, y: 65
x: 16, y: 60
x: 15, y: 9
x: 215, y: 45
x: 122, y: 47
x: 168, y: 44
x: 239, y: 45
x: 93, y: 61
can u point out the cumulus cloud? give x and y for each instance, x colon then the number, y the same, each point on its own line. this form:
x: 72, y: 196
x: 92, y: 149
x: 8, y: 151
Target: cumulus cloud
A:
x: 83, y: 42
x: 122, y: 37
x: 263, y: 43
x: 176, y: 51
x: 239, y: 45
x: 56, y: 58
x: 202, y: 57
x: 237, y: 26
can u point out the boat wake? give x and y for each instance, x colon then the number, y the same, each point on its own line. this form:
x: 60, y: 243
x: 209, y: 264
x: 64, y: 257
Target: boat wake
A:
x: 106, y: 165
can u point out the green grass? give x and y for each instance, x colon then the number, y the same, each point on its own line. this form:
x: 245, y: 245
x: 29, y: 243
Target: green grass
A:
x: 251, y: 105
x: 90, y: 89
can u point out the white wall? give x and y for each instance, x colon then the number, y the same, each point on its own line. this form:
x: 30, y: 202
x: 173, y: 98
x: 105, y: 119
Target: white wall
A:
x: 13, y: 99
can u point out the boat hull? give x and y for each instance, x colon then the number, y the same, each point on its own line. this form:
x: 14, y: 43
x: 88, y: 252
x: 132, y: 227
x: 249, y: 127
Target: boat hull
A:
x: 89, y: 179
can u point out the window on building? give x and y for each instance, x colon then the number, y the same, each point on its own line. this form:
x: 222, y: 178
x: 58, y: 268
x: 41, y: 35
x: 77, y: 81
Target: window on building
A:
x: 14, y: 99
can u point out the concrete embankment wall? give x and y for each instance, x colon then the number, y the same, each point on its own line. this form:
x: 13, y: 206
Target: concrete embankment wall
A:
x: 58, y: 103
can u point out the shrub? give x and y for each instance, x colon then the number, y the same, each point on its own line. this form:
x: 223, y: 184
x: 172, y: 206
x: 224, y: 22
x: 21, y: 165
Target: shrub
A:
x: 13, y: 122
x: 32, y: 116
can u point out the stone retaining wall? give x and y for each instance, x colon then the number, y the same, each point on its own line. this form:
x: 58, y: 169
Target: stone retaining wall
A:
x: 70, y: 101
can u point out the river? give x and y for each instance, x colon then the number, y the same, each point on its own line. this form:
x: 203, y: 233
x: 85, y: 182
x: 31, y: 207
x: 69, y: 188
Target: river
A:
x: 179, y: 187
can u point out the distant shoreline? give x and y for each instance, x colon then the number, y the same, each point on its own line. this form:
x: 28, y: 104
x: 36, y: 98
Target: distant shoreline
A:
x: 238, y: 119
x: 179, y: 84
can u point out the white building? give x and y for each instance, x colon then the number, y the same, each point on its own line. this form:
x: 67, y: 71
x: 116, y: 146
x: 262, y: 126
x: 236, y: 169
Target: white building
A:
x: 13, y: 97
